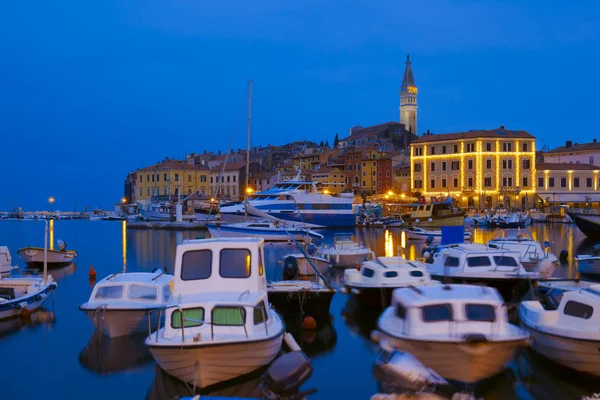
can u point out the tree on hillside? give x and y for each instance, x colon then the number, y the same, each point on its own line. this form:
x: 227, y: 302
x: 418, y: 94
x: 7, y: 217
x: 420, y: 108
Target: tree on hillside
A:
x: 336, y: 141
x: 321, y: 144
x: 327, y: 143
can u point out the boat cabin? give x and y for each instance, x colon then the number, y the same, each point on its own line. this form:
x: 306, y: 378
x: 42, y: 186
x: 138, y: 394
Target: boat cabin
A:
x: 448, y: 311
x: 434, y: 210
x: 578, y: 309
x: 388, y: 271
x: 132, y: 288
x: 219, y: 265
x: 5, y: 260
x: 473, y: 259
x: 220, y: 291
x: 343, y: 241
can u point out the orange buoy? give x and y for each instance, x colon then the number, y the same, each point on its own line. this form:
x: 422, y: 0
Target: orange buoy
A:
x: 92, y: 273
x: 309, y: 323
x: 25, y: 313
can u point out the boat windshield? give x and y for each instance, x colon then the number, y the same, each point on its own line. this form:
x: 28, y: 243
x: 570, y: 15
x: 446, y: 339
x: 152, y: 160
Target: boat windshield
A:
x: 343, y: 237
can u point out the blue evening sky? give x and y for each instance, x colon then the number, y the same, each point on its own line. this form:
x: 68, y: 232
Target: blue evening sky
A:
x: 93, y: 89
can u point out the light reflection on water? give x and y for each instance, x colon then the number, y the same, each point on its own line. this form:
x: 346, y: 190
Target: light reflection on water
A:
x: 342, y: 352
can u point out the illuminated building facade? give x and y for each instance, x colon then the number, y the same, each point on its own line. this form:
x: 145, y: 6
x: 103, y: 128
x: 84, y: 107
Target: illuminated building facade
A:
x: 408, y: 99
x: 566, y: 183
x: 483, y: 168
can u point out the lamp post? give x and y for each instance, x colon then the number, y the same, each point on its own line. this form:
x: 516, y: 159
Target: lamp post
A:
x: 51, y: 201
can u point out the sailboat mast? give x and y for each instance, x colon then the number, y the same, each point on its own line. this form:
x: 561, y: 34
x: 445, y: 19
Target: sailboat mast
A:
x: 248, y: 148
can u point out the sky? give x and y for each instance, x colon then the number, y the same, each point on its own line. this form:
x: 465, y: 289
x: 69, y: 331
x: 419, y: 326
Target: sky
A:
x: 90, y: 90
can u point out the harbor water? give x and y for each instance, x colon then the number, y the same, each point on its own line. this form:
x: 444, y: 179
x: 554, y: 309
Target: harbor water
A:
x: 56, y: 355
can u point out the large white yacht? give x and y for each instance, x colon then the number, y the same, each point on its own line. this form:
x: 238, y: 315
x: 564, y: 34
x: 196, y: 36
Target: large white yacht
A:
x: 564, y: 327
x: 459, y: 331
x: 218, y: 323
x: 298, y: 201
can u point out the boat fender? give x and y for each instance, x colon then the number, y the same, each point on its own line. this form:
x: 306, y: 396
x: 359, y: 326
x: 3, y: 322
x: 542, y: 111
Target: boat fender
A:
x: 337, y: 259
x: 343, y: 290
x: 291, y: 342
x: 355, y: 291
x: 417, y: 221
x: 386, y: 345
x: 475, y: 338
x: 309, y: 323
x: 375, y: 335
x: 430, y: 220
x: 563, y: 257
x: 92, y: 273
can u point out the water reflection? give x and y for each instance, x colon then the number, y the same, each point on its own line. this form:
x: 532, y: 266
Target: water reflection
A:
x: 543, y: 379
x: 315, y: 342
x: 51, y: 229
x: 360, y: 320
x: 165, y: 387
x: 124, y: 244
x: 106, y: 355
x: 42, y: 318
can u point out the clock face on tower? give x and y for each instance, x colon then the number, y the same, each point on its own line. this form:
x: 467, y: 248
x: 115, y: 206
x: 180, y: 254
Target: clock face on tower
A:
x: 412, y: 89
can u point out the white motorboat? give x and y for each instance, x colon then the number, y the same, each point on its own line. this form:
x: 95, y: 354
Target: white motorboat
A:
x: 459, y: 331
x: 482, y: 265
x: 416, y: 233
x: 374, y: 282
x: 55, y: 258
x: 119, y: 303
x: 565, y: 330
x: 24, y: 294
x: 271, y: 231
x: 345, y: 252
x: 522, y: 241
x: 306, y: 266
x: 6, y: 261
x: 218, y: 323
x: 589, y: 264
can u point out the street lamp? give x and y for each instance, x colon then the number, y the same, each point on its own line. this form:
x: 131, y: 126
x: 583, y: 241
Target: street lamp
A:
x: 51, y: 201
x: 249, y: 190
x: 390, y: 193
x: 123, y: 200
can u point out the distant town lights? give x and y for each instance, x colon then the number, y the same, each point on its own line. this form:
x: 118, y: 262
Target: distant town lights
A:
x: 390, y: 193
x: 249, y: 190
x: 123, y: 200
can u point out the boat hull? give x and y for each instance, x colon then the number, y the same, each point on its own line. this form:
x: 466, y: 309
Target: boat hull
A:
x: 588, y: 224
x: 589, y: 267
x: 579, y: 355
x: 302, y: 303
x: 323, y: 220
x: 454, y: 220
x: 210, y: 364
x: 120, y: 322
x: 346, y: 260
x: 268, y: 235
x: 30, y: 303
x: 459, y: 361
x: 436, y: 235
x: 372, y: 297
x: 34, y: 255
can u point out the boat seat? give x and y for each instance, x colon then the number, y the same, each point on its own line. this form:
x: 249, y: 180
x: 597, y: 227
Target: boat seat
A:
x: 7, y: 293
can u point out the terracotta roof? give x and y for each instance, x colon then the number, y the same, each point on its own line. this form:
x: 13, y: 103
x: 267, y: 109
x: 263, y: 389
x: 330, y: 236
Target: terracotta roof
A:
x: 499, y: 133
x: 230, y: 166
x: 172, y: 164
x: 360, y: 132
x: 594, y: 146
x: 566, y: 167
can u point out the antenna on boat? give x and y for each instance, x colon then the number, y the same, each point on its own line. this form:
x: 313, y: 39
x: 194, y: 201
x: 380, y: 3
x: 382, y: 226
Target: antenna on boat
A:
x: 248, y: 149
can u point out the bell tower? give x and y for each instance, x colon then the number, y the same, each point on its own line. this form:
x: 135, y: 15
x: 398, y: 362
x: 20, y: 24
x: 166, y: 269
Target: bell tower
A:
x: 408, y: 99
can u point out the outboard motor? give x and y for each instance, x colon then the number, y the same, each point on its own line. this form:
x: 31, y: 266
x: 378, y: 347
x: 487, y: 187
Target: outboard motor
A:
x: 290, y: 269
x: 398, y: 371
x: 596, y: 250
x: 285, y: 376
x: 62, y: 246
x: 563, y: 256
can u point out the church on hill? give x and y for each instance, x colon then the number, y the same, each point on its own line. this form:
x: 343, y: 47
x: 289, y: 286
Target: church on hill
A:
x: 398, y: 135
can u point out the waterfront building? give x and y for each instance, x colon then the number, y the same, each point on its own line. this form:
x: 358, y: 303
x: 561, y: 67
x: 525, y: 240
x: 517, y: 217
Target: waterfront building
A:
x: 168, y: 179
x: 408, y: 99
x: 483, y: 168
x: 331, y: 179
x: 585, y: 153
x: 575, y: 185
x: 229, y: 182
